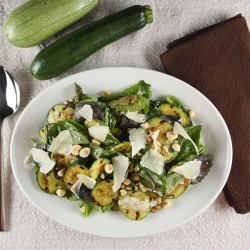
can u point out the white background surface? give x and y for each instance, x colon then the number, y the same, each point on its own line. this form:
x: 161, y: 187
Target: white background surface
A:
x: 219, y: 227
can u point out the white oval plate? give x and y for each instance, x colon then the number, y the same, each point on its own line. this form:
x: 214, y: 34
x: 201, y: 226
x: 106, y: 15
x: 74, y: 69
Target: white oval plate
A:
x: 114, y: 224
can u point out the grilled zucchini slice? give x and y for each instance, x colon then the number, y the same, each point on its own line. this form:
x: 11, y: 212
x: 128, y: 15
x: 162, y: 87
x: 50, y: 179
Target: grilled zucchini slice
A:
x: 135, y: 205
x: 103, y: 193
x: 60, y: 112
x: 44, y: 184
x: 70, y: 176
x: 98, y: 167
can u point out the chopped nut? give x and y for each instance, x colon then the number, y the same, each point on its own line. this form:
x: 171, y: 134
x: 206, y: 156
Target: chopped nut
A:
x: 128, y: 188
x: 123, y: 186
x: 61, y: 172
x: 152, y: 130
x: 155, y: 209
x: 191, y: 113
x: 143, y: 189
x: 171, y: 135
x: 96, y: 142
x: 60, y: 192
x: 126, y: 181
x: 158, y: 200
x: 136, y: 188
x: 75, y: 149
x: 165, y: 150
x: 106, y: 92
x: 84, y: 152
x: 139, y: 154
x: 166, y: 204
x: 108, y: 168
x: 134, y: 177
x: 82, y: 209
x: 102, y: 176
x: 176, y: 147
x: 123, y: 192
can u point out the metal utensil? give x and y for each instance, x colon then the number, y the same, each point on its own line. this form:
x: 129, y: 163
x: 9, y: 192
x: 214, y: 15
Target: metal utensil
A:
x: 9, y: 103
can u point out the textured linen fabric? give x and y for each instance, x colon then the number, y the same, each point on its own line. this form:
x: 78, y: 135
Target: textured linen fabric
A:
x: 216, y: 61
x: 219, y: 227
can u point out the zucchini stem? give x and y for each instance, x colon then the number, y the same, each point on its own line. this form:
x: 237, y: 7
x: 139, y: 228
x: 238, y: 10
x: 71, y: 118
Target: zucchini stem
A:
x: 148, y: 13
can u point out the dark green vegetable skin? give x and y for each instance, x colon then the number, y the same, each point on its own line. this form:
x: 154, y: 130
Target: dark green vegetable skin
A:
x: 82, y: 43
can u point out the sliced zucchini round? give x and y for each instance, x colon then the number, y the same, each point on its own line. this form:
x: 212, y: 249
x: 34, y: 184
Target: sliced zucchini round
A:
x: 172, y: 110
x: 44, y: 184
x: 44, y: 129
x: 60, y: 112
x: 168, y: 153
x: 70, y: 176
x: 134, y: 205
x: 103, y: 193
x: 181, y: 188
x: 51, y: 177
x: 98, y: 167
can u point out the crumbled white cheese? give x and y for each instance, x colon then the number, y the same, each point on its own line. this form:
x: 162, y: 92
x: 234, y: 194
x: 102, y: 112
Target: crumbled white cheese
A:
x: 120, y: 165
x: 28, y: 161
x: 153, y: 161
x: 140, y: 118
x: 133, y: 203
x: 138, y: 139
x: 86, y: 112
x: 87, y: 181
x: 75, y: 188
x: 181, y: 131
x: 40, y: 156
x: 99, y: 132
x: 62, y: 143
x: 189, y: 170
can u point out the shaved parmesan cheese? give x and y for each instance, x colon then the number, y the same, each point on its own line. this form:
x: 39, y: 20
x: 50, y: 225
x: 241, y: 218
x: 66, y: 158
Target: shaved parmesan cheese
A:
x: 86, y: 112
x: 140, y: 118
x: 181, y: 131
x: 75, y: 188
x: 132, y: 203
x: 138, y: 139
x: 154, y: 137
x: 120, y: 164
x: 153, y: 161
x: 28, y: 161
x: 98, y: 132
x: 189, y: 170
x: 43, y: 159
x: 87, y: 181
x: 62, y: 143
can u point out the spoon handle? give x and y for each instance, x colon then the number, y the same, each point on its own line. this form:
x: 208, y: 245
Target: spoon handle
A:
x: 2, y: 206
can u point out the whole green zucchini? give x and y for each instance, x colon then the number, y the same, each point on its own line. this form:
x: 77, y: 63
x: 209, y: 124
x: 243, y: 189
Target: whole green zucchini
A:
x: 82, y: 43
x: 37, y: 20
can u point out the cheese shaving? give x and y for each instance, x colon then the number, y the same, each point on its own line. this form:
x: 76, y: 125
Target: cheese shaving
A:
x: 140, y: 118
x: 189, y: 170
x: 138, y: 139
x: 86, y: 112
x: 99, y: 132
x: 181, y: 131
x: 87, y: 181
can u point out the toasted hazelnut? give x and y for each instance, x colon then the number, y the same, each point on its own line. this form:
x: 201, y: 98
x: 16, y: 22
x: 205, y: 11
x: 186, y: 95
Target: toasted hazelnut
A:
x: 108, y: 168
x: 126, y: 181
x: 61, y: 172
x: 145, y: 125
x: 134, y: 177
x: 60, y: 192
x: 106, y: 92
x: 123, y: 192
x: 102, y: 176
x: 166, y: 204
x: 96, y: 142
x: 171, y: 135
x: 155, y: 209
x: 176, y: 147
x: 84, y: 152
x: 191, y: 113
x: 75, y: 149
x: 158, y: 200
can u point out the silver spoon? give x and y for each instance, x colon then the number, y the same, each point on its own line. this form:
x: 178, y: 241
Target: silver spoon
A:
x: 9, y: 103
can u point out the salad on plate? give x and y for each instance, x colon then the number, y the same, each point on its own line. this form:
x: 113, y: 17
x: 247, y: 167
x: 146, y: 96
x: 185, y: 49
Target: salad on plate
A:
x: 119, y: 152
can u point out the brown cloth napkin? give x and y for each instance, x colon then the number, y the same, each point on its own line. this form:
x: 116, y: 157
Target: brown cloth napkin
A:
x: 216, y: 61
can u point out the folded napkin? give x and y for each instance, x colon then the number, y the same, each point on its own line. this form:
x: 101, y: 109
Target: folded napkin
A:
x: 216, y: 61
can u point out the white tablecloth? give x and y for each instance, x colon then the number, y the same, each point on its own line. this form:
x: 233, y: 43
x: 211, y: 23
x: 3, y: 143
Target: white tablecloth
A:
x: 219, y: 227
